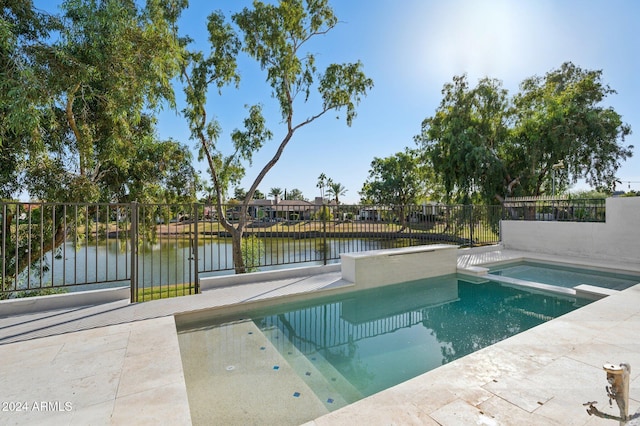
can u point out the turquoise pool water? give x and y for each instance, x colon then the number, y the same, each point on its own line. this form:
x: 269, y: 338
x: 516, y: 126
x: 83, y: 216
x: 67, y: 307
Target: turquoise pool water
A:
x: 350, y: 346
x: 564, y: 276
x: 379, y: 338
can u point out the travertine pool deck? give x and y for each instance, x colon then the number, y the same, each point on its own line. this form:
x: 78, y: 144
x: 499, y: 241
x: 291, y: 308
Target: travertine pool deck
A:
x: 119, y: 363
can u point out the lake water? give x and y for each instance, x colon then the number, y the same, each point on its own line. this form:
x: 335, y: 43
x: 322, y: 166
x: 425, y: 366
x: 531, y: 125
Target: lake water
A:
x: 108, y: 264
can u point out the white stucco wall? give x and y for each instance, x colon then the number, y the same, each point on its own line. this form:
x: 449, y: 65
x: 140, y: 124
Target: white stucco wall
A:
x: 375, y: 268
x: 616, y: 239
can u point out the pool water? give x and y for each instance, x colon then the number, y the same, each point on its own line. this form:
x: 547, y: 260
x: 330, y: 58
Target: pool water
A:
x: 380, y: 338
x: 350, y: 346
x: 563, y: 276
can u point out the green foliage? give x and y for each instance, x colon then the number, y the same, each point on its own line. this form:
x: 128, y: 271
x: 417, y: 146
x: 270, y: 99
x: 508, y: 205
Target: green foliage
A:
x: 23, y: 89
x: 42, y: 292
x: 484, y: 146
x: 77, y: 124
x: 563, y: 112
x: 275, y: 192
x: 323, y: 214
x: 164, y: 292
x: 336, y: 189
x: 462, y: 142
x: 114, y: 63
x: 395, y: 180
x: 35, y: 230
x: 253, y: 251
x: 295, y: 194
x: 588, y: 195
x: 238, y: 193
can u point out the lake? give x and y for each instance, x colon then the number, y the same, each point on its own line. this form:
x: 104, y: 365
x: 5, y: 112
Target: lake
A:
x: 107, y: 264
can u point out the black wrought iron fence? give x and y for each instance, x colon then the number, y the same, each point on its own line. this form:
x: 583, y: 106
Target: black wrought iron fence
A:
x: 161, y: 250
x: 165, y: 238
x: 46, y: 247
x: 291, y: 233
x: 556, y: 209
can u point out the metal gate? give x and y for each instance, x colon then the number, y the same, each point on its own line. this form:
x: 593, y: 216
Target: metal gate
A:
x: 48, y: 248
x: 164, y: 241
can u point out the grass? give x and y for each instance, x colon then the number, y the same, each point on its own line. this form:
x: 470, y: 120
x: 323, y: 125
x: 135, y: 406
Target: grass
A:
x: 207, y: 230
x: 165, y: 292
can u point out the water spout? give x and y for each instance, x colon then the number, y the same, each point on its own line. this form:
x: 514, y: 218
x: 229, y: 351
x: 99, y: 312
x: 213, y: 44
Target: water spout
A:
x: 618, y: 390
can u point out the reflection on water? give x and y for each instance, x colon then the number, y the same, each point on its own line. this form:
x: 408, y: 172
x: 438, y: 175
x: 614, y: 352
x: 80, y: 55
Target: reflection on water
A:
x: 108, y: 263
x: 383, y: 337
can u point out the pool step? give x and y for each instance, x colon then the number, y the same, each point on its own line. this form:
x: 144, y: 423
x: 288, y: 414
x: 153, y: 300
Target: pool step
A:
x: 592, y: 292
x: 532, y: 286
x: 234, y: 375
x: 331, y: 387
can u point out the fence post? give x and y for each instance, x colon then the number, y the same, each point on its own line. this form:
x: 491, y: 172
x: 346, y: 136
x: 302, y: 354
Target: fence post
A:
x: 324, y: 234
x: 471, y: 226
x: 134, y: 251
x: 194, y: 251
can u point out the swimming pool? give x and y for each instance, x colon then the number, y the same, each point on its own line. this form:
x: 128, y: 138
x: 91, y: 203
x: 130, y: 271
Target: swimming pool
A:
x: 298, y: 361
x: 564, y: 276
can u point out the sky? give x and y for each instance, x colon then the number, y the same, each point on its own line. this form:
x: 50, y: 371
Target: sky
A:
x: 411, y: 48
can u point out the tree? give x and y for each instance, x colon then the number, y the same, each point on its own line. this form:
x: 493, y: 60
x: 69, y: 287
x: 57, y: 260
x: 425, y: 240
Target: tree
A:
x: 274, y: 36
x: 464, y: 140
x: 484, y: 146
x: 22, y: 87
x: 322, y: 184
x: 79, y: 105
x: 84, y: 129
x: 275, y: 192
x: 295, y: 194
x: 394, y: 180
x: 238, y: 193
x: 113, y: 66
x: 397, y: 181
x: 337, y: 190
x: 209, y: 191
x: 253, y: 252
x: 561, y: 117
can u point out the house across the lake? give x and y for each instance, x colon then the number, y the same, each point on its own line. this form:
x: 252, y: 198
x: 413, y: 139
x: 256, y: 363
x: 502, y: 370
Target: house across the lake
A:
x: 278, y: 209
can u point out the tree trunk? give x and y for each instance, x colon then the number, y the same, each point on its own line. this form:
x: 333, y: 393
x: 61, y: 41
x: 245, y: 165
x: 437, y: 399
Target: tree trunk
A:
x: 402, y: 219
x: 71, y: 119
x: 238, y: 260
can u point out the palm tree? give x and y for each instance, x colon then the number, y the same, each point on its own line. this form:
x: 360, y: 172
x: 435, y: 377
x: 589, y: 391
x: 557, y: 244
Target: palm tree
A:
x: 275, y: 192
x: 322, y: 182
x: 337, y: 190
x: 210, y: 190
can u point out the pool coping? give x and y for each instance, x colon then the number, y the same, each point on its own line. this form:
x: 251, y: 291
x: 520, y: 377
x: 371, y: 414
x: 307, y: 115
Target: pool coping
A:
x: 484, y: 385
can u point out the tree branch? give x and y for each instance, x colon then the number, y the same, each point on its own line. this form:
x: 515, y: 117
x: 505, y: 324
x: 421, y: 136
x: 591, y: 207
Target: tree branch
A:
x: 71, y: 119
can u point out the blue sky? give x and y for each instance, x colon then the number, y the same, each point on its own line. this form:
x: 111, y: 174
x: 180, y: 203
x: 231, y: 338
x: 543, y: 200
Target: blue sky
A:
x: 410, y: 48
